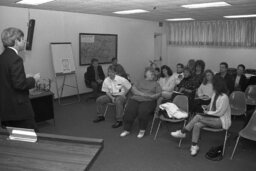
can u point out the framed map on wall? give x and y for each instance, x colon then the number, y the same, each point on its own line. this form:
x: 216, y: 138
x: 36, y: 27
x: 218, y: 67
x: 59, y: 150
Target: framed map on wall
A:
x: 100, y: 46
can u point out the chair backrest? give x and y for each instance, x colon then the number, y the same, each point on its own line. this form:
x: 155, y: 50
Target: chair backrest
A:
x: 237, y: 101
x: 250, y: 92
x: 251, y: 81
x: 251, y: 126
x: 250, y: 71
x: 182, y: 102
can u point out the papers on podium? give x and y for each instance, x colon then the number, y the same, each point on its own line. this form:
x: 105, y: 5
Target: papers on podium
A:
x: 21, y: 134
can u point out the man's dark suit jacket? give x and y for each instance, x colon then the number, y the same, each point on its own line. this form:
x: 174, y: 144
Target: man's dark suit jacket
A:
x: 90, y: 75
x: 242, y: 83
x: 14, y: 88
x: 229, y: 81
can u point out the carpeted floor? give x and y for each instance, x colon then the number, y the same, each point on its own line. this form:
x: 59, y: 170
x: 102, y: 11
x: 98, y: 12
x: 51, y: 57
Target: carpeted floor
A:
x: 133, y: 154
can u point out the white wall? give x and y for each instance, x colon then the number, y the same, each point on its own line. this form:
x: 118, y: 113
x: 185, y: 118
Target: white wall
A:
x: 212, y: 56
x: 135, y: 39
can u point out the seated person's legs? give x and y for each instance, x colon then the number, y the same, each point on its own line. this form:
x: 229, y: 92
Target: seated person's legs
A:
x: 100, y: 102
x: 119, y: 101
x: 96, y: 88
x: 144, y: 111
x: 196, y: 124
x: 130, y: 115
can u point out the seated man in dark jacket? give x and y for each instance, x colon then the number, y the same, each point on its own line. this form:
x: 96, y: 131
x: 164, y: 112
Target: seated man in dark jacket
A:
x: 240, y: 79
x: 226, y: 76
x: 94, y: 76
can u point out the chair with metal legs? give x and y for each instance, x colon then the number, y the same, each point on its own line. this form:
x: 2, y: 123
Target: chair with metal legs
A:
x: 182, y: 102
x: 249, y: 132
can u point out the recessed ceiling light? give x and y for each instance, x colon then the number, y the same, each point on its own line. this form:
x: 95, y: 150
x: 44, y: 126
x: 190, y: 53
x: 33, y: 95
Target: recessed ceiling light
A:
x: 135, y: 11
x: 179, y: 19
x: 206, y: 5
x: 240, y: 16
x: 33, y: 2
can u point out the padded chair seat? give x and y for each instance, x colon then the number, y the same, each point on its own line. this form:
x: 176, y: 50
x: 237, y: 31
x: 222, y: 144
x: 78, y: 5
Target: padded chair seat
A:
x: 171, y: 119
x: 213, y: 129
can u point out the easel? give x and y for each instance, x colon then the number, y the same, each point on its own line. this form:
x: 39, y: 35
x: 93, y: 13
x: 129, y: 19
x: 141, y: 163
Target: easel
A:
x: 64, y: 65
x: 59, y: 94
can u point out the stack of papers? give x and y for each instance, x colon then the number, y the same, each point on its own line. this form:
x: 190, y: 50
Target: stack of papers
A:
x: 20, y: 134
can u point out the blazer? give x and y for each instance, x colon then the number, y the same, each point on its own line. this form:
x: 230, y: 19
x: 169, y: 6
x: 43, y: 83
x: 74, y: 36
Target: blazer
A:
x: 90, y: 75
x: 242, y: 82
x: 229, y: 81
x: 14, y: 88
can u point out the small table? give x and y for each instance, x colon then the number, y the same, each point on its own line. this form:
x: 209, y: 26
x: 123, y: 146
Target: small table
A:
x: 42, y: 103
x: 50, y: 153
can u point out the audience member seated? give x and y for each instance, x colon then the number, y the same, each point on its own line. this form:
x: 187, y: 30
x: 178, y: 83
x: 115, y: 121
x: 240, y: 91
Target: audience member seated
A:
x: 191, y: 65
x: 178, y: 75
x: 95, y: 76
x: 142, y: 103
x: 227, y: 77
x: 187, y: 86
x: 204, y: 93
x: 119, y: 68
x: 158, y: 73
x: 115, y: 88
x: 167, y: 83
x: 199, y: 72
x: 240, y: 79
x: 218, y: 116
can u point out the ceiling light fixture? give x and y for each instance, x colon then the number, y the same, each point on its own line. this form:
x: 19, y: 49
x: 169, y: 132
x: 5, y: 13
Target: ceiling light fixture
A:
x: 135, y: 11
x: 240, y: 16
x: 206, y: 5
x: 33, y: 2
x: 179, y: 19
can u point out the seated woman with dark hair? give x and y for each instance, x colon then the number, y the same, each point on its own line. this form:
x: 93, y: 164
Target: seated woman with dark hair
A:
x: 216, y: 115
x: 167, y: 83
x: 240, y: 82
x: 204, y: 93
x: 199, y: 72
x: 142, y: 103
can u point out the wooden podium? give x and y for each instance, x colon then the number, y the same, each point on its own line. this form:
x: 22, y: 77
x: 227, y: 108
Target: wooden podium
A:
x: 42, y: 103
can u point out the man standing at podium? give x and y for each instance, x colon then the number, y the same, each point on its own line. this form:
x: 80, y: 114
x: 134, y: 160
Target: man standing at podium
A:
x: 15, y: 106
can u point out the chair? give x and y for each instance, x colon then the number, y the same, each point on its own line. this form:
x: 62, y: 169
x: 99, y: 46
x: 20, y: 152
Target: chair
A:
x: 156, y: 115
x: 251, y: 80
x: 237, y: 103
x: 250, y: 71
x: 250, y: 95
x: 219, y: 130
x: 249, y: 132
x: 182, y: 102
x: 108, y: 105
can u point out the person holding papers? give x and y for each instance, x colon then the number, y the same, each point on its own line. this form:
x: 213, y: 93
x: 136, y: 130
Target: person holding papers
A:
x: 15, y: 106
x: 216, y: 115
x: 115, y: 88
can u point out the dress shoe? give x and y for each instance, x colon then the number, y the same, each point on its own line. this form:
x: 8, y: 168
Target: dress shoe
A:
x: 117, y: 124
x: 99, y: 119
